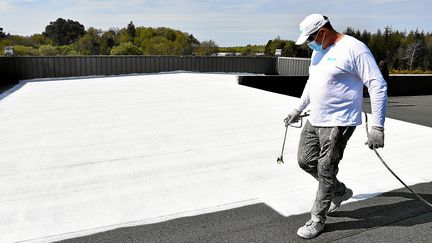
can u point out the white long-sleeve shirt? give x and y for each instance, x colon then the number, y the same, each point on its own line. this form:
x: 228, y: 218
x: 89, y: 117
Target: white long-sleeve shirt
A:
x: 334, y: 90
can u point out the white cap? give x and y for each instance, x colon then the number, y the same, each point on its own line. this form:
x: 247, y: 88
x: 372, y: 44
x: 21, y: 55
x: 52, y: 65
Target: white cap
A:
x: 310, y: 25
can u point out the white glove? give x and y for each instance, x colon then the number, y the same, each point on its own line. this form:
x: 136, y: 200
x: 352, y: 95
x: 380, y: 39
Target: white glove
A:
x: 292, y: 117
x: 376, y: 138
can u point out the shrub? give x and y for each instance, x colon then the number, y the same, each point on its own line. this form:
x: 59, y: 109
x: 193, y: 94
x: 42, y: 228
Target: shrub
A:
x: 416, y: 71
x: 47, y: 50
x: 126, y: 49
x: 20, y: 50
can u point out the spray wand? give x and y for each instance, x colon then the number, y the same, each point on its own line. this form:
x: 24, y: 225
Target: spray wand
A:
x: 300, y: 124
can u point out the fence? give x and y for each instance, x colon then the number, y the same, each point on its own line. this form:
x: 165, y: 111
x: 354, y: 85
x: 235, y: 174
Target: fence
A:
x: 287, y: 75
x: 292, y: 66
x: 409, y: 84
x: 297, y: 70
x: 17, y: 68
x: 397, y: 85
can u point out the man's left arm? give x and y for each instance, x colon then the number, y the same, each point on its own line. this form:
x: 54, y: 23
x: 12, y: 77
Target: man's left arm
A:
x: 372, y: 78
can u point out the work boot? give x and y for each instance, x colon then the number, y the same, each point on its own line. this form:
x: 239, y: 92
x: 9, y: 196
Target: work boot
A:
x: 338, y: 199
x: 310, y: 229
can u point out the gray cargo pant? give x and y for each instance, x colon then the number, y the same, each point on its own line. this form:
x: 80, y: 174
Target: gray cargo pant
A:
x: 319, y: 152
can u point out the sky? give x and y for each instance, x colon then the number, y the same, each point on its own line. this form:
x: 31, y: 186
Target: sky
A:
x: 227, y: 22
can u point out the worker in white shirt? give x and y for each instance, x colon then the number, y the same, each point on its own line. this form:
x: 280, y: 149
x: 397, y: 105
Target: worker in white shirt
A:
x: 340, y: 67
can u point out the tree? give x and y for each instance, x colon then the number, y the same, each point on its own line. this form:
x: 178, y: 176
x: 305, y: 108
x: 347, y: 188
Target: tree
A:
x: 2, y: 34
x: 168, y: 33
x: 387, y: 39
x: 164, y: 41
x: 47, y: 50
x: 184, y: 44
x: 207, y: 48
x: 131, y: 31
x: 181, y: 45
x: 20, y: 50
x: 387, y: 34
x: 272, y: 45
x: 193, y: 44
x: 289, y: 49
x: 354, y: 33
x: 365, y: 37
x: 126, y: 49
x: 427, y: 63
x: 90, y: 43
x: 38, y: 40
x: 68, y: 50
x: 64, y: 32
x: 267, y: 50
x: 349, y: 31
x: 412, y: 53
x: 377, y: 45
x: 19, y: 40
x: 108, y: 40
x: 247, y: 51
x: 160, y: 45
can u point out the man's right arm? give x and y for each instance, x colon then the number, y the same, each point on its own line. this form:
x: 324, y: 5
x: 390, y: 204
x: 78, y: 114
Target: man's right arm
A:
x: 304, y: 99
x: 303, y: 103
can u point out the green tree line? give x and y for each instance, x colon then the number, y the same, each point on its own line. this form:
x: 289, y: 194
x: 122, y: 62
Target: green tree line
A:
x: 289, y: 48
x: 410, y: 51
x: 404, y: 52
x: 243, y: 50
x: 68, y: 37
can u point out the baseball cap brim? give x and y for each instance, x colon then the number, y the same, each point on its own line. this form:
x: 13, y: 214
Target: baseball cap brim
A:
x: 301, y: 39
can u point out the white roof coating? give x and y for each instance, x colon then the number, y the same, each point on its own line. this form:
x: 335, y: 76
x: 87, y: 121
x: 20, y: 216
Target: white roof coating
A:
x: 80, y: 156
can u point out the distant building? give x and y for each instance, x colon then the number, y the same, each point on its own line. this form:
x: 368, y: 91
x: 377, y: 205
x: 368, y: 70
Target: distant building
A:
x: 228, y: 54
x: 278, y: 52
x: 236, y: 54
x: 8, y: 51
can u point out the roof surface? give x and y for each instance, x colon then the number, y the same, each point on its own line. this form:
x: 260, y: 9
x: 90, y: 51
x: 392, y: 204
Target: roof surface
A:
x: 82, y: 156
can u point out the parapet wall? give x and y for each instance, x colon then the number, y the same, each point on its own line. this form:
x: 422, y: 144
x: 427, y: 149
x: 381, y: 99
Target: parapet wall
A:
x: 13, y: 69
x: 282, y: 75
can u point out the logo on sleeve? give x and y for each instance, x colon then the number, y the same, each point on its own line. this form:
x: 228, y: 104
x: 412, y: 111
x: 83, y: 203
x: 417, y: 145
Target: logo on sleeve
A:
x: 331, y: 59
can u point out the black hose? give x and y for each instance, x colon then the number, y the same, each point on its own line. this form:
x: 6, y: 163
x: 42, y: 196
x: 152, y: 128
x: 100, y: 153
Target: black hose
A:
x: 391, y: 171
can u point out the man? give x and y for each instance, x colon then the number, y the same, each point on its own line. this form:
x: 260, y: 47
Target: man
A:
x: 340, y: 66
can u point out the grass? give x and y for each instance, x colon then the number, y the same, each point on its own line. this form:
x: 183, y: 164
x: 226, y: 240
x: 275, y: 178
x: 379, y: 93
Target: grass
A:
x: 416, y: 71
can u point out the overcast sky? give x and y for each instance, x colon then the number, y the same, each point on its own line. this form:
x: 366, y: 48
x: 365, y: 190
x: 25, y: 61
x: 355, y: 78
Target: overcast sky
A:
x: 227, y: 22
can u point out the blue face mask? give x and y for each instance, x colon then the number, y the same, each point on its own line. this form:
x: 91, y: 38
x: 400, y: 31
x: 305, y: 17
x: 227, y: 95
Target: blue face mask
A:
x: 315, y: 46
